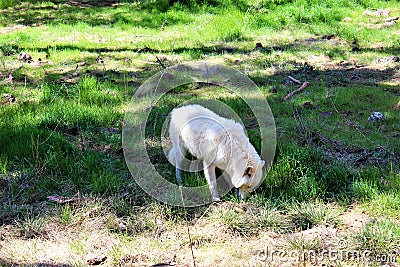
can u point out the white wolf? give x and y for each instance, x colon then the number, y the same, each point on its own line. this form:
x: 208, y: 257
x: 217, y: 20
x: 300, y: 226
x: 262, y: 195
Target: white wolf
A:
x: 217, y: 142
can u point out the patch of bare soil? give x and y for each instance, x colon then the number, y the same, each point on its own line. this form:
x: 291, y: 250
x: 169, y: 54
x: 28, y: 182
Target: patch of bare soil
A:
x: 354, y: 221
x: 12, y: 28
x: 339, y: 73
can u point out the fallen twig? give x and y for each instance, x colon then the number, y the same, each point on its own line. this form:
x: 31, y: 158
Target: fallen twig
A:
x: 163, y: 25
x: 187, y: 227
x: 304, y: 85
x: 337, y: 145
x: 294, y: 79
x: 62, y: 200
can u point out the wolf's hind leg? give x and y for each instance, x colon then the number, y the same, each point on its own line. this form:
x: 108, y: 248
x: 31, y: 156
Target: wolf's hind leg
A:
x: 178, y: 176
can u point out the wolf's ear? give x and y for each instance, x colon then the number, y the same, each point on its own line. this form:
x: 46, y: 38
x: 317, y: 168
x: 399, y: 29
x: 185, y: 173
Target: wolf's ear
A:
x: 249, y: 171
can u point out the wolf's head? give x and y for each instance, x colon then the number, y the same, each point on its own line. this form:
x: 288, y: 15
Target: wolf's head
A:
x: 250, y: 180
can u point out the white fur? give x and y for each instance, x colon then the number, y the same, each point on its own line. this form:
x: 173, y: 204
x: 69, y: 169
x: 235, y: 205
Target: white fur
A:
x: 217, y: 142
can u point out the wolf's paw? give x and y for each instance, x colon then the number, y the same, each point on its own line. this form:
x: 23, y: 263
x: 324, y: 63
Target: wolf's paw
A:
x: 216, y: 199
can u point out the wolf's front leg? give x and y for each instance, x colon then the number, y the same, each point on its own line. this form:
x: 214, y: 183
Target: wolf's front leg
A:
x: 209, y: 173
x: 175, y: 156
x: 178, y: 176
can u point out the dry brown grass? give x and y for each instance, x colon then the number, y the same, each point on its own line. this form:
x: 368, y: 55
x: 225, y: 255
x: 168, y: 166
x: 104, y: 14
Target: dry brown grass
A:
x: 93, y: 232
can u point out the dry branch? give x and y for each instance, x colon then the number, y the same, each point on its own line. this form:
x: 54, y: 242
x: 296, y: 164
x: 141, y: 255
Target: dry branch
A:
x: 294, y: 79
x: 63, y: 200
x: 160, y: 62
x: 163, y: 25
x: 304, y: 85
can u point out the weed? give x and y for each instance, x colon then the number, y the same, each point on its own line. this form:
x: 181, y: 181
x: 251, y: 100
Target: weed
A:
x: 116, y: 254
x: 66, y: 214
x: 272, y: 219
x: 32, y: 227
x: 306, y: 215
x: 7, y: 50
x: 236, y: 222
x: 393, y: 179
x: 78, y: 247
x: 121, y: 207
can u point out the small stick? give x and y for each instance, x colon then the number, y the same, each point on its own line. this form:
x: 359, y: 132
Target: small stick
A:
x: 163, y: 25
x: 187, y: 227
x: 160, y: 62
x: 304, y: 85
x: 294, y: 79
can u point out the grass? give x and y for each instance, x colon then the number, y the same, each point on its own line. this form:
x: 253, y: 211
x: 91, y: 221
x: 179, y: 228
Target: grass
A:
x: 251, y: 222
x: 302, y: 244
x: 379, y: 237
x: 62, y: 135
x: 307, y: 215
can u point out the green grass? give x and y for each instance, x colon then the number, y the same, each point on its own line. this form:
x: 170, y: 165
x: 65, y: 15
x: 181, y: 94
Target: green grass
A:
x: 62, y: 136
x: 383, y: 204
x: 31, y: 228
x: 380, y: 237
x: 302, y: 244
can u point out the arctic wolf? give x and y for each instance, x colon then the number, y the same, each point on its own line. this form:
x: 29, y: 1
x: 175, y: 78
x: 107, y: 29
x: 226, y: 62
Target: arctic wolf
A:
x: 217, y: 142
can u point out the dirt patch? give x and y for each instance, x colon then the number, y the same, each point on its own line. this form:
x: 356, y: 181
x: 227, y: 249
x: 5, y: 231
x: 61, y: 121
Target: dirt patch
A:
x: 12, y: 28
x: 354, y: 221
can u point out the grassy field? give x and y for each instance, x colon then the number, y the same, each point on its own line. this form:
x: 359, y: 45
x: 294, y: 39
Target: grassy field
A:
x: 68, y: 71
